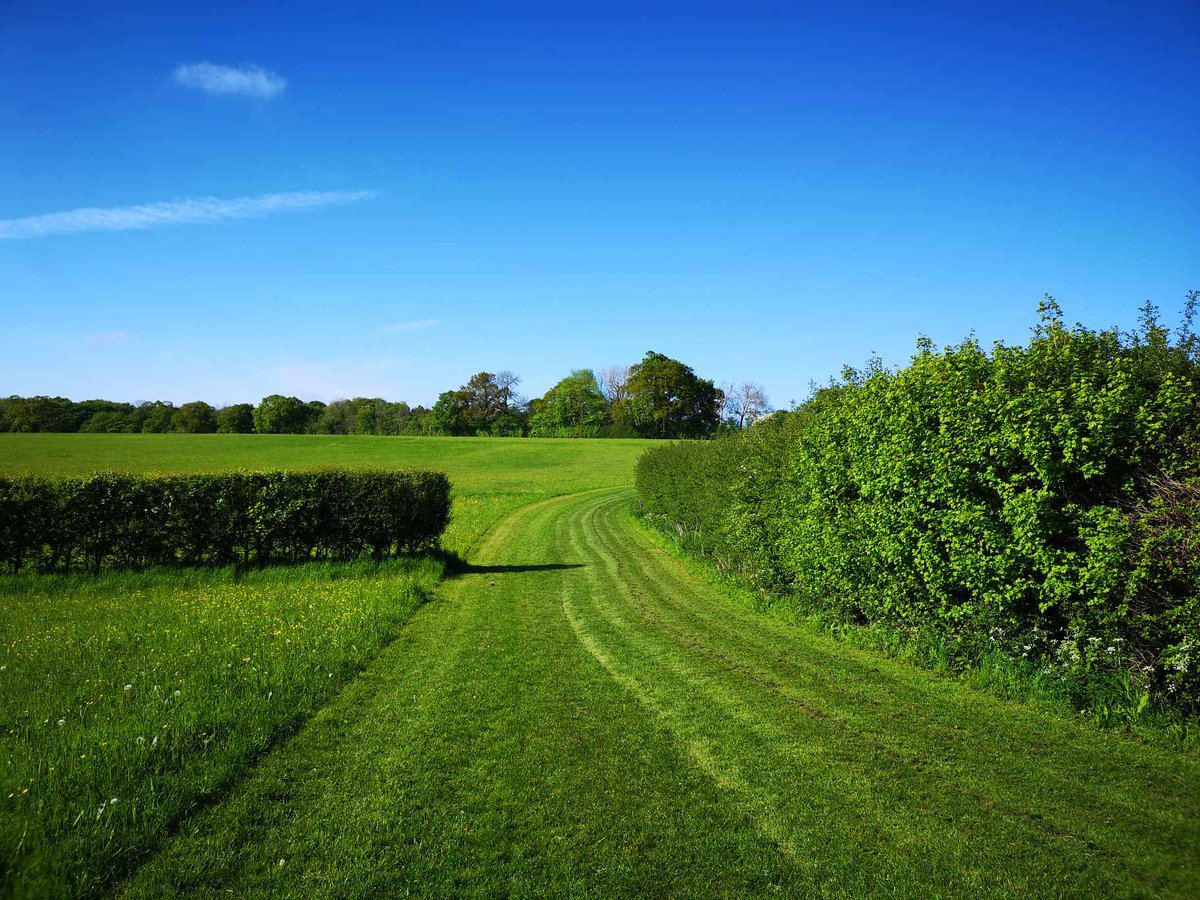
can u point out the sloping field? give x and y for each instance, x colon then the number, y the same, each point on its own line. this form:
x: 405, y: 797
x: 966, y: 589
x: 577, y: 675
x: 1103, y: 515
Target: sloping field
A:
x: 97, y: 763
x: 490, y: 476
x: 578, y: 715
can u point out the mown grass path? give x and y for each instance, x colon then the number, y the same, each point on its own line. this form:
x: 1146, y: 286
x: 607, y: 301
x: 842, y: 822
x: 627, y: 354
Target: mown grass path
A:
x: 578, y: 715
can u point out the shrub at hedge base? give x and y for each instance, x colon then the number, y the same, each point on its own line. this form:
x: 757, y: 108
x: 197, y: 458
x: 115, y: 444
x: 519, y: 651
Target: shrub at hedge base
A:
x: 112, y: 520
x: 1041, y: 500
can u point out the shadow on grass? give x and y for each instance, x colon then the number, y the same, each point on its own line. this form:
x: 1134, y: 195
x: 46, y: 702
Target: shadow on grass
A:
x: 456, y: 568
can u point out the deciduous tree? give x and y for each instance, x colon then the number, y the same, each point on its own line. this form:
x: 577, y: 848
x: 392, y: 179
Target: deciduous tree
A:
x: 449, y: 415
x: 277, y: 414
x: 236, y: 419
x: 667, y: 400
x: 574, y: 407
x: 745, y: 404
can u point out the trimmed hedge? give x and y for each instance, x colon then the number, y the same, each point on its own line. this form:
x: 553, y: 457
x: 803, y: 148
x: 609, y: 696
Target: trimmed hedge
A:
x: 113, y: 520
x: 1041, y: 500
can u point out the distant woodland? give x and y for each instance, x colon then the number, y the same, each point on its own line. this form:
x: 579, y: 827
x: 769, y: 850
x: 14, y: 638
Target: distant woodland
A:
x: 658, y: 397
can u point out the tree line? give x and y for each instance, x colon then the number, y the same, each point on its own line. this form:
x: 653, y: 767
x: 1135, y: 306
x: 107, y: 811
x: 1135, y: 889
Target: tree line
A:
x: 658, y: 397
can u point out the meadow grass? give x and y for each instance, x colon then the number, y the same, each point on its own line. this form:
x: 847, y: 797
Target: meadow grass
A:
x: 580, y: 715
x: 158, y: 690
x: 490, y: 476
x: 475, y: 465
x: 127, y: 699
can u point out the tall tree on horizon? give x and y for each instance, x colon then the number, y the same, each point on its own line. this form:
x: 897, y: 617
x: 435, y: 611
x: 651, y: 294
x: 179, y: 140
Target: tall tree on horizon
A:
x: 574, y: 407
x: 667, y: 400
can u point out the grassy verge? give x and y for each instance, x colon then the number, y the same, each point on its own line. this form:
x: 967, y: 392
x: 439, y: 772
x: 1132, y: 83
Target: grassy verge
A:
x: 1109, y: 700
x: 874, y: 777
x: 126, y: 700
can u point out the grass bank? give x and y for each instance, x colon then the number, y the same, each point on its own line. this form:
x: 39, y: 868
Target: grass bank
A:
x: 1111, y: 701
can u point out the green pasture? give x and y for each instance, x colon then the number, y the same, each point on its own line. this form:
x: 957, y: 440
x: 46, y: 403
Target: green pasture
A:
x: 127, y: 699
x: 541, y: 466
x: 251, y: 655
x: 580, y: 715
x: 568, y: 711
x: 489, y: 475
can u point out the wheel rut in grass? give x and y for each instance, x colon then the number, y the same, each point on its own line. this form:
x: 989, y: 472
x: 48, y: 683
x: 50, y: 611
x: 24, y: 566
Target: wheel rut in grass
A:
x: 579, y: 714
x: 484, y: 753
x: 838, y: 754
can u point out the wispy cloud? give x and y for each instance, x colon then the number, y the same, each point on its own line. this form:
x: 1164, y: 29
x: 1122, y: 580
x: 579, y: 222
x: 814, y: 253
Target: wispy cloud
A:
x: 410, y: 326
x: 107, y: 340
x: 173, y: 212
x: 245, y: 81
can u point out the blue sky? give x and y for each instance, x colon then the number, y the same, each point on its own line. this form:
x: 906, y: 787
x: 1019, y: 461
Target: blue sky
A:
x: 383, y: 199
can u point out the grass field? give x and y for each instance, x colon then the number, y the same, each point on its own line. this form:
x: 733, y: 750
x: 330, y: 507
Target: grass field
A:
x: 129, y: 698
x: 581, y: 716
x: 251, y: 656
x: 576, y: 713
x: 490, y: 475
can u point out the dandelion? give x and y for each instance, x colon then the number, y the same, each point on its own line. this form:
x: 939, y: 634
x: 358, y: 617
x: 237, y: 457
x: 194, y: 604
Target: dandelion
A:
x: 62, y: 721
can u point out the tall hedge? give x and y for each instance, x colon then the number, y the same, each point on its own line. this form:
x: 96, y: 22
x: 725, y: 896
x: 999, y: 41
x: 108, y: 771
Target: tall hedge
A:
x: 111, y: 520
x: 1042, y: 499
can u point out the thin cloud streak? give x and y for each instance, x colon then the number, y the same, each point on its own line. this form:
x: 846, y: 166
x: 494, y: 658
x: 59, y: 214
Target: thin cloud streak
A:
x: 189, y: 210
x: 410, y: 326
x: 246, y: 81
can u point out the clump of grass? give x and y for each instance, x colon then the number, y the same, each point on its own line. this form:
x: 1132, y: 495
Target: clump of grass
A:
x: 129, y: 699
